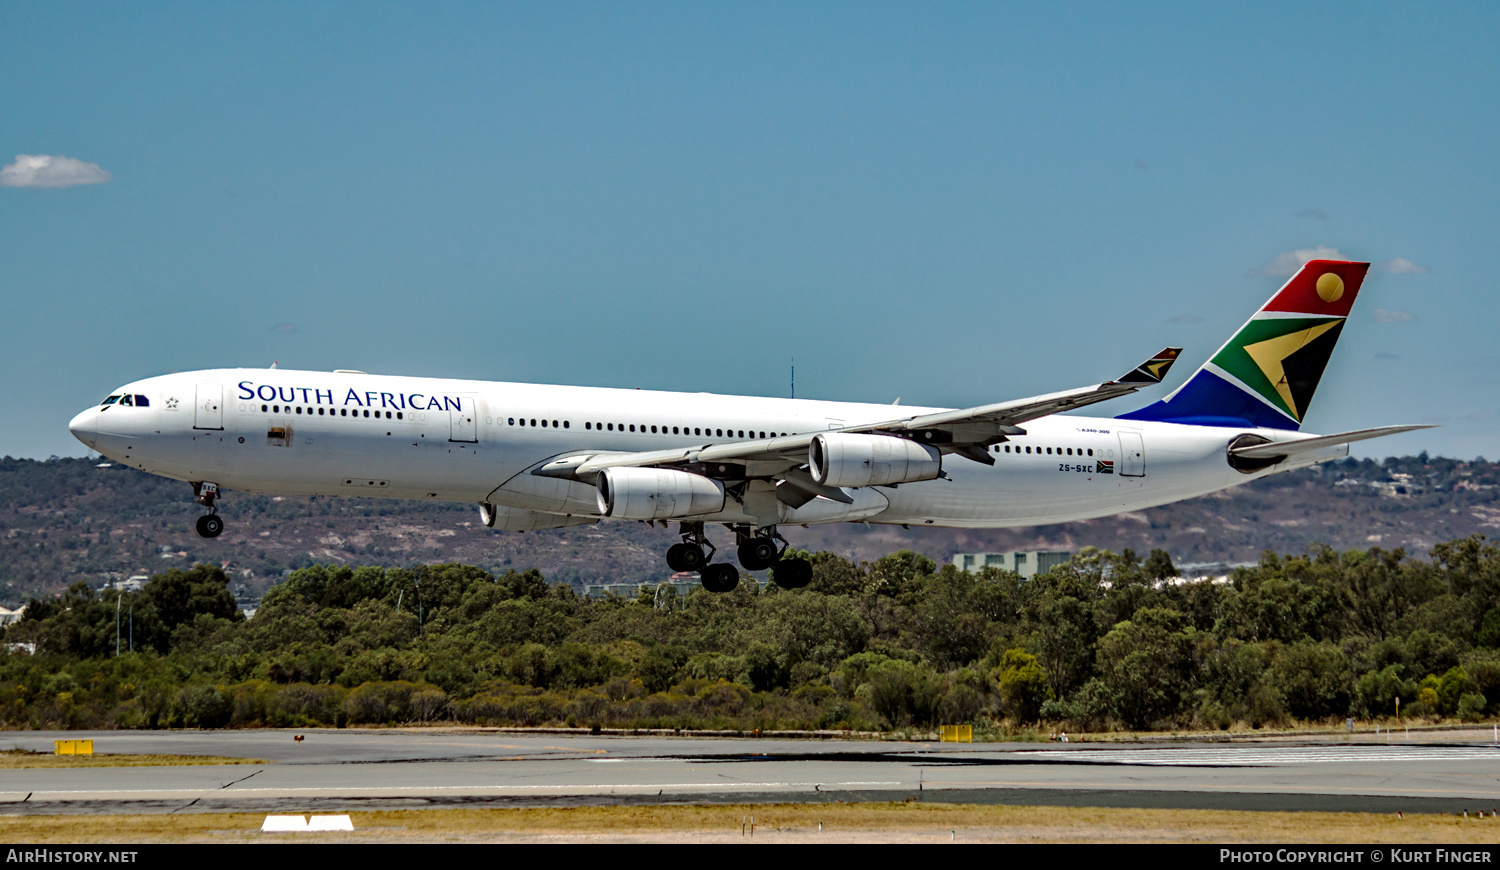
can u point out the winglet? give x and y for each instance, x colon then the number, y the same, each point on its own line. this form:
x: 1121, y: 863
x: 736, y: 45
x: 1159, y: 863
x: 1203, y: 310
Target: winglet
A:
x: 1153, y: 370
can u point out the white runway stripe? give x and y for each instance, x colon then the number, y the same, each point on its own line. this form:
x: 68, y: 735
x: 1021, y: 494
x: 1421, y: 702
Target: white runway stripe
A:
x: 1229, y: 756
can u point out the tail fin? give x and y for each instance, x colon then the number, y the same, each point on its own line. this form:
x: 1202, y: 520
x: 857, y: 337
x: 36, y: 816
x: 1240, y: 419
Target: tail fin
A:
x: 1266, y: 374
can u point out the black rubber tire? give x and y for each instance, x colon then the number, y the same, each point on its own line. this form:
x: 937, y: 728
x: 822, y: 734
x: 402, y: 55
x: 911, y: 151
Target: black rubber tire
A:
x: 721, y: 577
x: 757, y: 554
x: 792, y: 573
x: 210, y: 526
x: 693, y: 558
x: 675, y: 558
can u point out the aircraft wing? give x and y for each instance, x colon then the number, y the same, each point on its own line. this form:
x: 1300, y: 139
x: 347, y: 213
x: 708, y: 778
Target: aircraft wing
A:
x: 1293, y: 446
x: 967, y: 431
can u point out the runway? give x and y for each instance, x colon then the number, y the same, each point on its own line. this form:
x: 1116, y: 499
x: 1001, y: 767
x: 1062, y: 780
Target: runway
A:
x: 392, y: 769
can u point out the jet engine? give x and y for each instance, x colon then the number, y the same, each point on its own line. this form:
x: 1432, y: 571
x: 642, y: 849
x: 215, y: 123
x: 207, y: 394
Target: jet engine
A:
x: 842, y: 459
x: 657, y: 494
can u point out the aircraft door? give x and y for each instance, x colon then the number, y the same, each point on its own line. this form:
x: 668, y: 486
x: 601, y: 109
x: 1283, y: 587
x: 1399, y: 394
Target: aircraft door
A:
x: 463, y: 424
x: 208, y: 413
x: 1132, y: 455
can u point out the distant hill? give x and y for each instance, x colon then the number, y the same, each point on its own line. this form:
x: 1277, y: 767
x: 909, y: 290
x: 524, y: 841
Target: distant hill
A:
x: 63, y: 520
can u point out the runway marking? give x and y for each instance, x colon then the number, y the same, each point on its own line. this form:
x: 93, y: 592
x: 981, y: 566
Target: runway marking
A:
x: 476, y: 788
x: 1258, y: 756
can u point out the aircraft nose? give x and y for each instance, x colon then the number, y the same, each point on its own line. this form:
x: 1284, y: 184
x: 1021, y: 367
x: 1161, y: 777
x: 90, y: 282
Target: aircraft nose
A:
x: 85, y: 427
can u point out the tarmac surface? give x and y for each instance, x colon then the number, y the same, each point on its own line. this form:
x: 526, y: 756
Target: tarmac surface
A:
x: 392, y: 769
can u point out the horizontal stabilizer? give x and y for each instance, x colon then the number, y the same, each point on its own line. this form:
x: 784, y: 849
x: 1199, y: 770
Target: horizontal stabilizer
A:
x: 1294, y: 446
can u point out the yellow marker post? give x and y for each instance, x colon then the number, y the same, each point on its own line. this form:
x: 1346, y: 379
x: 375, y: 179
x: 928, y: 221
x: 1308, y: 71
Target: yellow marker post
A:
x: 73, y: 747
x: 957, y: 734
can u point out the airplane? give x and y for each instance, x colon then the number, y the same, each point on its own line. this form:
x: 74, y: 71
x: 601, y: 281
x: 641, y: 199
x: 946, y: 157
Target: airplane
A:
x: 547, y: 457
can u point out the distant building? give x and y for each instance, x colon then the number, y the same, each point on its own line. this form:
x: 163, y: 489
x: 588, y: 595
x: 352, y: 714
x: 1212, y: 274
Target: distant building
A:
x: 681, y: 583
x: 630, y: 591
x: 1027, y: 563
x: 7, y: 616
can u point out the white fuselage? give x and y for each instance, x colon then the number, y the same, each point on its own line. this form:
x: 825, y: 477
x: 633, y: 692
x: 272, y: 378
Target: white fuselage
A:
x: 261, y: 430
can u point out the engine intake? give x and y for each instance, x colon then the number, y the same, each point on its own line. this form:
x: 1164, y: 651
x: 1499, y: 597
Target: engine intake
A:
x: 842, y: 459
x: 657, y: 494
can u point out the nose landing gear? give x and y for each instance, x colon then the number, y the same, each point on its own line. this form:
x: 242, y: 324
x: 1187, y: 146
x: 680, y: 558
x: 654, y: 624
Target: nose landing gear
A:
x: 211, y: 524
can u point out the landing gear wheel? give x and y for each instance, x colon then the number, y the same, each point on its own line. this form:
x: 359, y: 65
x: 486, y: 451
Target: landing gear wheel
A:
x: 758, y: 553
x: 722, y: 577
x: 792, y: 573
x: 209, y: 525
x: 685, y: 557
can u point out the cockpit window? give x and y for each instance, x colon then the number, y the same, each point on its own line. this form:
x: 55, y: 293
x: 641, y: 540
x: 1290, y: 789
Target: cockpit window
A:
x: 142, y: 402
x: 126, y: 400
x: 110, y: 401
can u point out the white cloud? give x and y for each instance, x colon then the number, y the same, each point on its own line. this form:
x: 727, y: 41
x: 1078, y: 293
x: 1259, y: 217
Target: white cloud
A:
x: 46, y: 170
x: 1403, y: 266
x: 1287, y: 264
x: 1392, y: 316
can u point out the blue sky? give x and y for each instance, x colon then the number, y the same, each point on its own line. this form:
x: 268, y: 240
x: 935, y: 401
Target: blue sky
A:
x: 954, y: 204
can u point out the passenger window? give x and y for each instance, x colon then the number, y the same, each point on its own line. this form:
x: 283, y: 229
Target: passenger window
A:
x: 565, y: 424
x: 544, y: 424
x: 611, y: 427
x: 1091, y: 451
x: 632, y: 427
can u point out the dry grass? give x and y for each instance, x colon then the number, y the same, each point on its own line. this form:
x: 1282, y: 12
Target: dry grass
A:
x: 780, y: 823
x: 17, y: 759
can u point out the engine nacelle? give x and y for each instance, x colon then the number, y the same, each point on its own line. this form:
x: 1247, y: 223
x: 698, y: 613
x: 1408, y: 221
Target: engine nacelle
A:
x: 843, y: 459
x: 657, y: 494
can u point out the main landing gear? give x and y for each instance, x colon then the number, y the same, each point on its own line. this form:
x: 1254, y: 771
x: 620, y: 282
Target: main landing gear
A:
x: 210, y: 525
x: 757, y: 550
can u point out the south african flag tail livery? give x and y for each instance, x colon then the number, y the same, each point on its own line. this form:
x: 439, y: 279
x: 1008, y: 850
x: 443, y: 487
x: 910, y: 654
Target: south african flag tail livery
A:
x: 1264, y: 377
